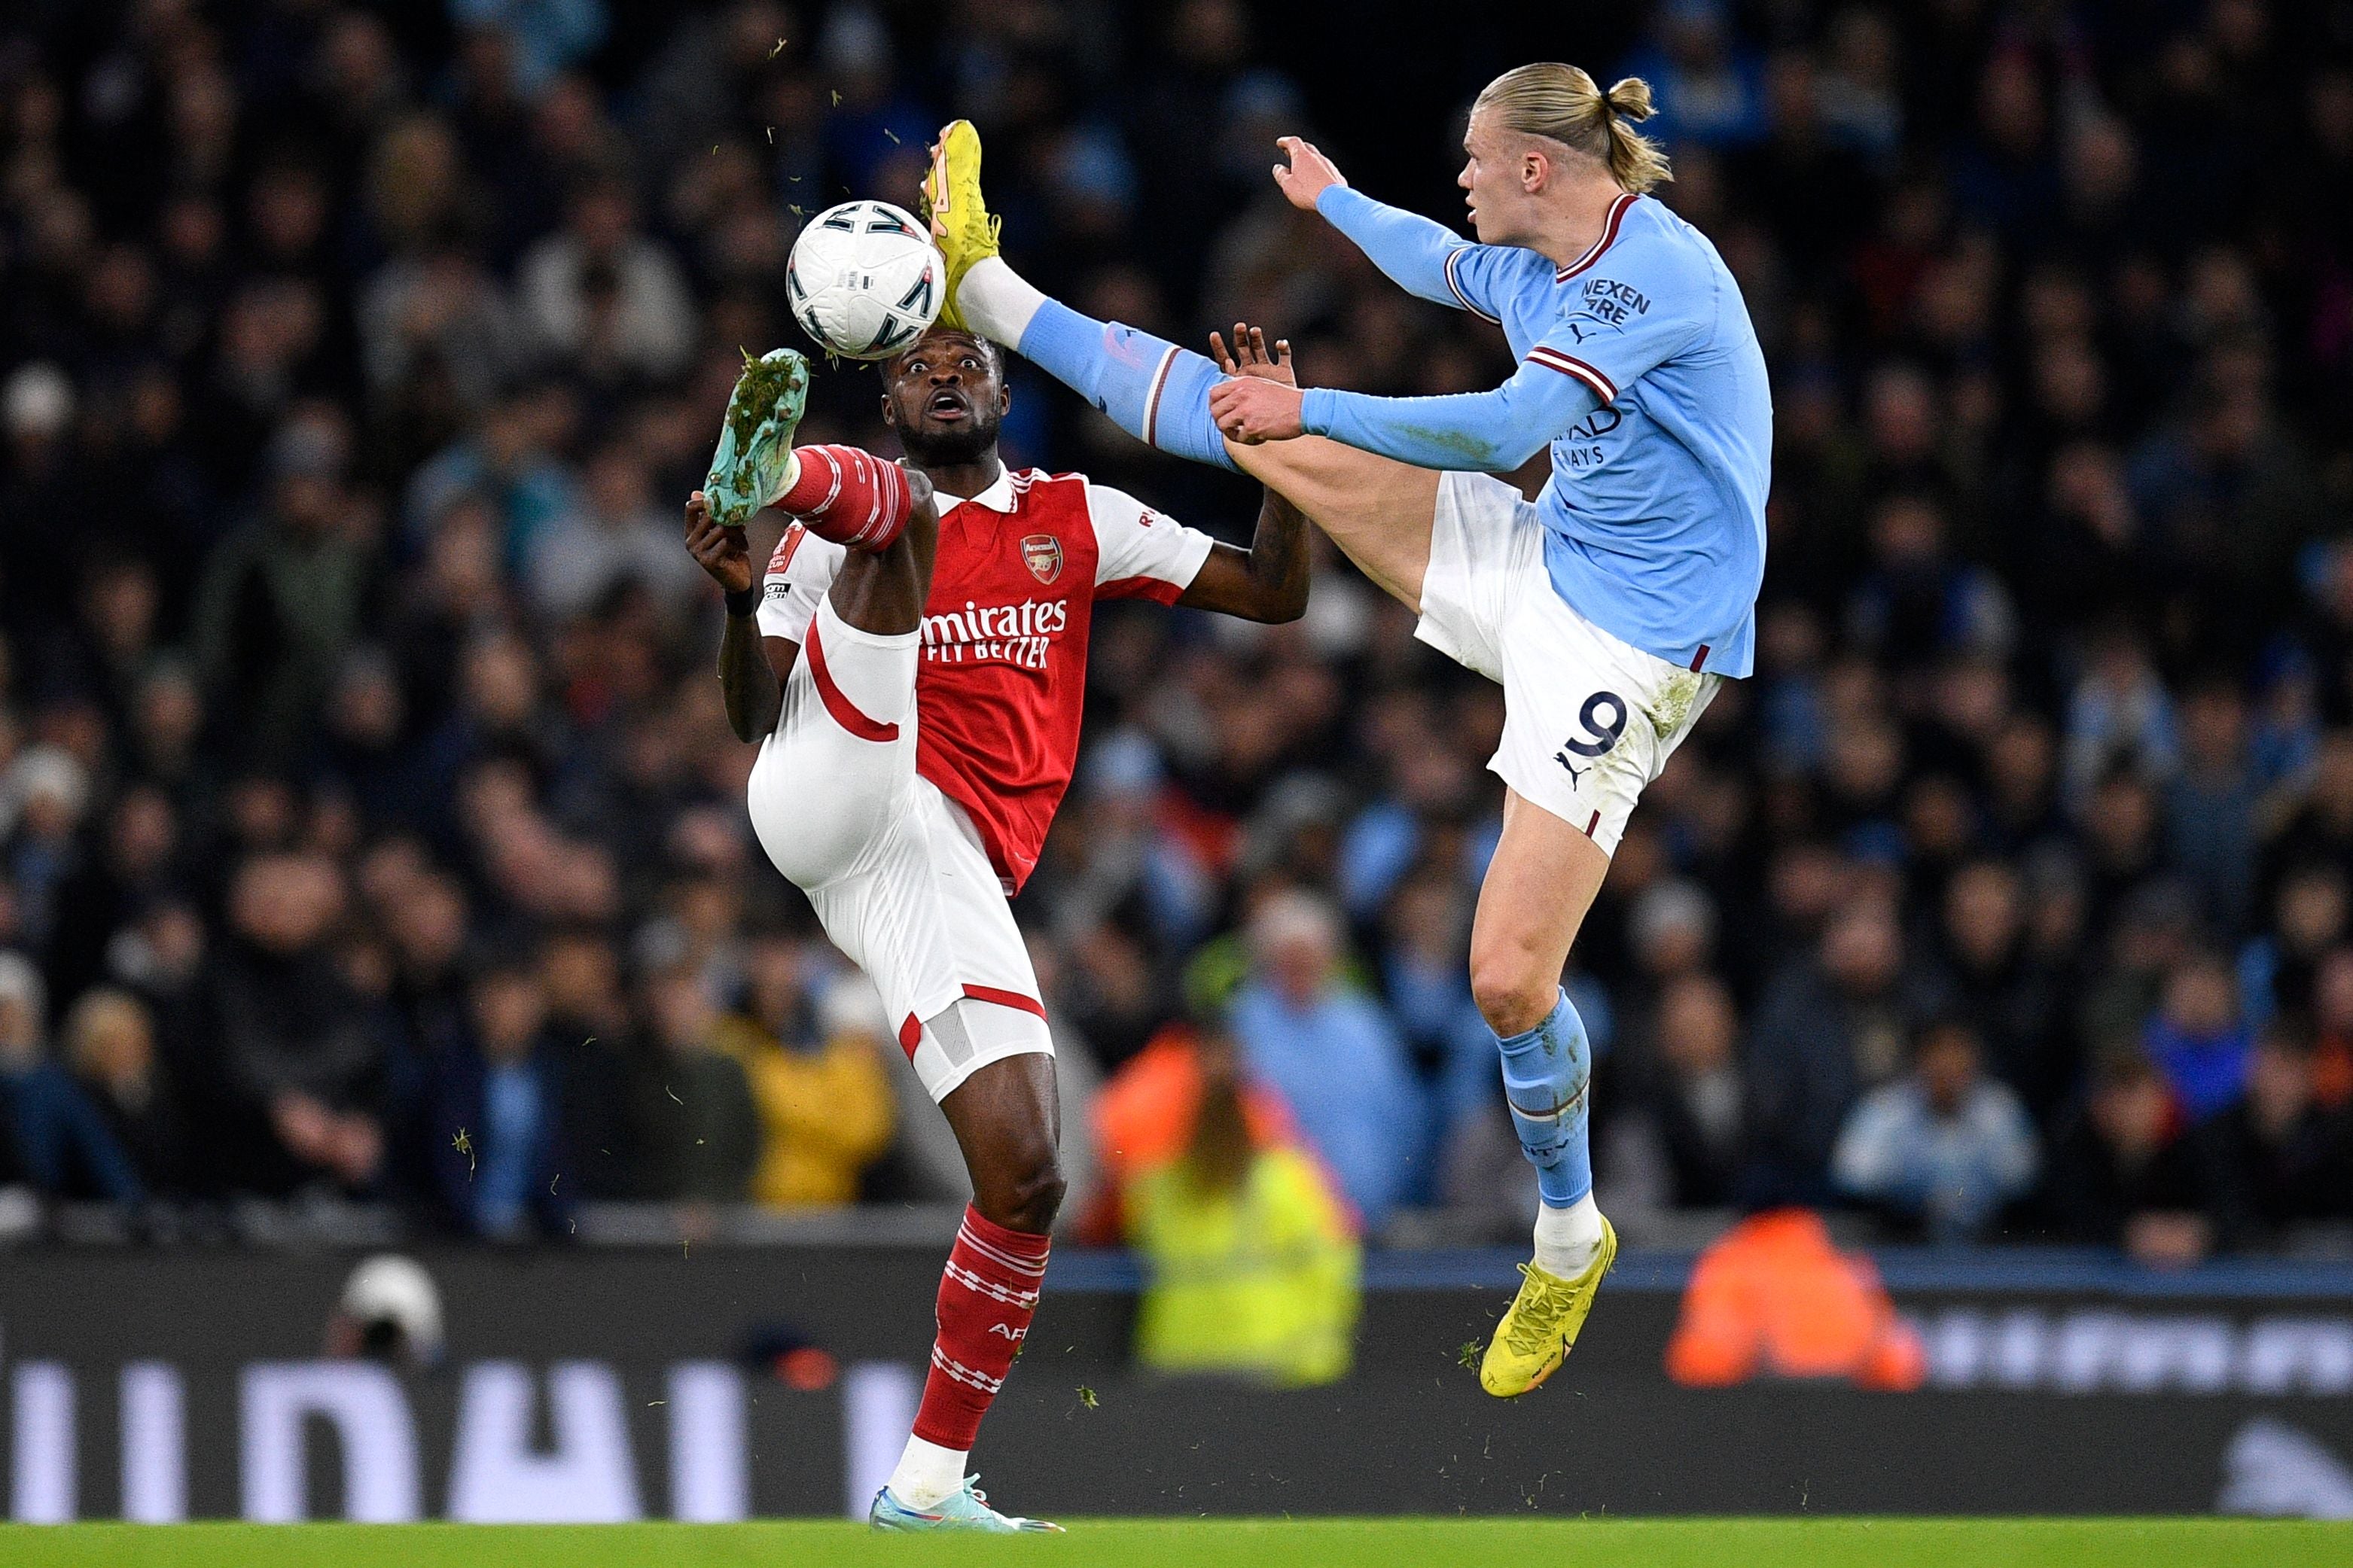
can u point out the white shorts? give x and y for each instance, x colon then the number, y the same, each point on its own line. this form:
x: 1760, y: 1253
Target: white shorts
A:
x: 1589, y: 720
x: 894, y: 869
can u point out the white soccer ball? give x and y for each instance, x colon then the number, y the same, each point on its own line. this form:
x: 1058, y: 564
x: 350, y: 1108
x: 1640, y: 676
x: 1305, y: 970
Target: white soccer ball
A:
x: 864, y: 281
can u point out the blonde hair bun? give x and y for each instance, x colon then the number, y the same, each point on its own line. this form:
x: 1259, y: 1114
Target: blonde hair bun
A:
x: 1632, y: 97
x: 1563, y: 103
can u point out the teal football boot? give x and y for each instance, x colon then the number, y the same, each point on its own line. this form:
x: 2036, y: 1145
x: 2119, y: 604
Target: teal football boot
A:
x: 754, y: 463
x: 966, y: 1510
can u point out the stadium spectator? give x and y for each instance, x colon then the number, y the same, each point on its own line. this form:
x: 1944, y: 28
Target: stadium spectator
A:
x: 1143, y: 1116
x: 2211, y: 808
x: 1944, y: 1147
x: 818, y: 1075
x: 1684, y: 1100
x: 1330, y: 1051
x: 542, y: 36
x: 1830, y: 1028
x: 291, y: 1071
x: 50, y: 791
x: 2198, y: 1041
x: 2128, y: 1171
x: 2292, y: 1144
x: 110, y: 1044
x: 494, y: 1112
x: 2012, y: 996
x: 284, y: 599
x: 2279, y: 967
x: 589, y: 1019
x: 1429, y: 992
x: 618, y: 537
x: 606, y: 301
x: 699, y: 1128
x: 424, y: 915
x: 2119, y: 717
x: 61, y: 1143
x: 1695, y: 63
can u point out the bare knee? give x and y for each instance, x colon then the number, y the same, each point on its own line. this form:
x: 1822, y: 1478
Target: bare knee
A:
x: 1023, y: 1190
x: 1514, y: 992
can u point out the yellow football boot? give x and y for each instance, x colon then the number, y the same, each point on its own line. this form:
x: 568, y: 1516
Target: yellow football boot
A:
x: 1542, y: 1323
x: 961, y: 226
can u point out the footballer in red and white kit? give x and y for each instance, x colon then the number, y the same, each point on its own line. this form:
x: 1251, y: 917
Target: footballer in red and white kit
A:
x: 998, y: 692
x: 913, y: 669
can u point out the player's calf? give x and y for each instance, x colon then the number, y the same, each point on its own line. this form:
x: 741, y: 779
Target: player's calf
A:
x: 1547, y: 1072
x: 988, y: 1294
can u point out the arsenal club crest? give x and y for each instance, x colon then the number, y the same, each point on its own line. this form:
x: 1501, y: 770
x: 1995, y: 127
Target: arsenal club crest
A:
x: 1042, y: 553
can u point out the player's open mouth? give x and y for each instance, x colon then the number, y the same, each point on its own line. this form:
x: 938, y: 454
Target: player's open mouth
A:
x: 946, y: 405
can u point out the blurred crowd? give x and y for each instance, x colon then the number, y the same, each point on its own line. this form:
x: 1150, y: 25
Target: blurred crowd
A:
x: 369, y: 826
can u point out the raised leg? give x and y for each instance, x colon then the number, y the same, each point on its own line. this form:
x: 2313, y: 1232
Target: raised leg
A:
x: 1377, y: 510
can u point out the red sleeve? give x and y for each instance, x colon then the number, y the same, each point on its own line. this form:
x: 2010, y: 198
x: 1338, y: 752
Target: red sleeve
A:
x: 1158, y: 590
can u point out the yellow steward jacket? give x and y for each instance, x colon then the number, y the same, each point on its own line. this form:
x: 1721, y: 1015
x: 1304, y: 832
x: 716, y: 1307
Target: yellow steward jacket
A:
x: 1262, y: 1281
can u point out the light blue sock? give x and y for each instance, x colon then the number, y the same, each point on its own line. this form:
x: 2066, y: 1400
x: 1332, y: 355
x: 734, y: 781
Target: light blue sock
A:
x: 1116, y: 369
x: 1546, y: 1073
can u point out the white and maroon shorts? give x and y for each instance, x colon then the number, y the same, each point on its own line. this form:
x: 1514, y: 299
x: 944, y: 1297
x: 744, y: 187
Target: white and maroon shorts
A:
x: 894, y: 869
x: 1589, y: 719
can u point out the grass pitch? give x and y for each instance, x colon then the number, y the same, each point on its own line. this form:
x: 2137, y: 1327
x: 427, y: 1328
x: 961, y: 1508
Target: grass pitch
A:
x: 1210, y: 1544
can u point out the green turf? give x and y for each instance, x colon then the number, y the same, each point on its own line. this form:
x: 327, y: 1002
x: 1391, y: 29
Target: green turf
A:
x: 1209, y: 1544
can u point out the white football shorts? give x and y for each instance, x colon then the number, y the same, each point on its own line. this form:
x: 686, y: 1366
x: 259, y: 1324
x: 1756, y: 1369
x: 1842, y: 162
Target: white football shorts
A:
x: 1589, y: 720
x: 894, y: 869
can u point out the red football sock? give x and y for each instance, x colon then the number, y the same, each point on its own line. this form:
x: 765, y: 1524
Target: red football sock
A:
x: 988, y: 1296
x: 850, y: 496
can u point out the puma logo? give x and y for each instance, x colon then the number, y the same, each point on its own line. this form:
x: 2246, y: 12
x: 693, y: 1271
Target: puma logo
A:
x: 1576, y: 774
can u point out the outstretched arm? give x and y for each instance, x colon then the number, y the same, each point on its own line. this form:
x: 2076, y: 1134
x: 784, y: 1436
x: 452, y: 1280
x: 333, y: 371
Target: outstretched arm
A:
x: 1268, y: 581
x: 1493, y: 432
x: 751, y: 674
x: 1425, y: 259
x: 1410, y: 248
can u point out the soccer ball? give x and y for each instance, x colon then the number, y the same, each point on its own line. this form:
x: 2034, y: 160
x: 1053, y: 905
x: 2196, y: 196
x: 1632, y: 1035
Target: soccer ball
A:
x: 863, y: 279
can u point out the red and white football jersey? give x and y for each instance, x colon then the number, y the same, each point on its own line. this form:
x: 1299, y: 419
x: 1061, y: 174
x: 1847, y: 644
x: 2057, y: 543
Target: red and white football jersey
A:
x: 1003, y: 681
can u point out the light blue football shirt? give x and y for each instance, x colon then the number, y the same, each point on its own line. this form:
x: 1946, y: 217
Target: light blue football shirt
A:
x: 1641, y: 371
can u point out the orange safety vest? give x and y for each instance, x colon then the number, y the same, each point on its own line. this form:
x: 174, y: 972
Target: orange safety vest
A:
x: 1774, y: 1298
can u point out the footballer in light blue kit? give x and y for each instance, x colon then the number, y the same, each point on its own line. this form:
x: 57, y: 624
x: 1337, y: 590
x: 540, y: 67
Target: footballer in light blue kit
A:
x: 1640, y: 370
x: 1610, y: 608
